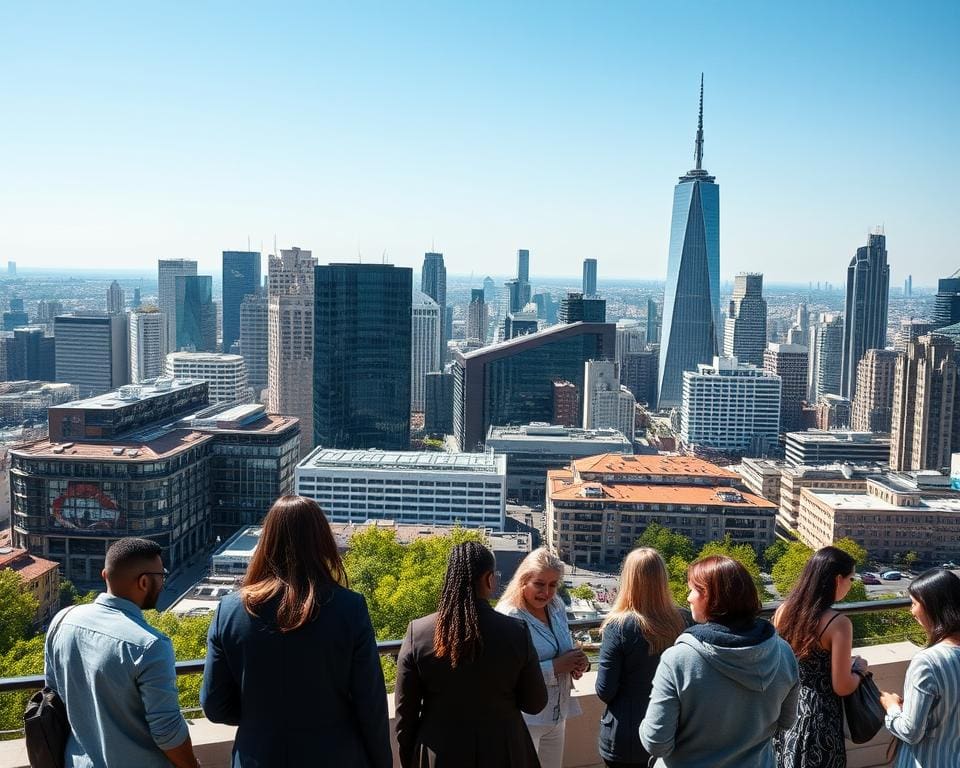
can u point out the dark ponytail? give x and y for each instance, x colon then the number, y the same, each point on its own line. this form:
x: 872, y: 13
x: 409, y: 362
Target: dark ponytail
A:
x: 457, y: 632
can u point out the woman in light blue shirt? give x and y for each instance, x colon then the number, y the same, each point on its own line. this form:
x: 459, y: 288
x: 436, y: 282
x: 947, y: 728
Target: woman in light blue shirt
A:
x: 531, y: 595
x: 925, y: 719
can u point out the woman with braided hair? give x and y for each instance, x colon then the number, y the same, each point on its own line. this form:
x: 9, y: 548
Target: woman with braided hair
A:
x: 464, y: 676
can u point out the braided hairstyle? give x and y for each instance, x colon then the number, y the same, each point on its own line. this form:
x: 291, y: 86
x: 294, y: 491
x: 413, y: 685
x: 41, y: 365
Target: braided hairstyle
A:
x: 457, y: 633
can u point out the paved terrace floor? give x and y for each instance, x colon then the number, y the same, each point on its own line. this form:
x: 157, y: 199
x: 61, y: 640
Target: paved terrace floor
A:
x: 213, y: 743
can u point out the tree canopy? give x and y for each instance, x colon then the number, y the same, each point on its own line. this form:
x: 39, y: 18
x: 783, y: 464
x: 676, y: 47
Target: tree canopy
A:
x: 17, y: 610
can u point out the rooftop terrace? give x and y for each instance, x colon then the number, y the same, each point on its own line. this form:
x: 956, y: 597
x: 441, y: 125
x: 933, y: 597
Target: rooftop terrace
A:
x: 331, y: 458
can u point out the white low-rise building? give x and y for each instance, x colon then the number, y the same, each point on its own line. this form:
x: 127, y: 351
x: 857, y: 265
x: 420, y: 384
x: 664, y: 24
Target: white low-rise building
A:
x: 226, y: 375
x: 409, y: 487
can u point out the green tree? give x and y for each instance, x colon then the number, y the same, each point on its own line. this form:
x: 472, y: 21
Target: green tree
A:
x: 189, y: 637
x: 677, y: 571
x: 848, y: 545
x: 24, y: 657
x: 584, y: 592
x: 742, y: 553
x: 774, y: 552
x: 17, y: 610
x: 786, y: 571
x: 667, y: 542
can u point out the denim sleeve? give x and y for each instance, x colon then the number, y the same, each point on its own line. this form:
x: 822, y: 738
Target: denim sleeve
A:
x: 219, y: 693
x: 157, y: 683
x: 909, y: 723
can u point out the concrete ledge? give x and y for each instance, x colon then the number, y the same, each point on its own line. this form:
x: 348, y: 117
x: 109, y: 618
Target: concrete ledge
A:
x: 213, y: 743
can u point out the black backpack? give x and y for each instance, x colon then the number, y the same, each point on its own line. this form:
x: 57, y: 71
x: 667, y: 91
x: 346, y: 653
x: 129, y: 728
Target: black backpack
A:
x: 45, y: 724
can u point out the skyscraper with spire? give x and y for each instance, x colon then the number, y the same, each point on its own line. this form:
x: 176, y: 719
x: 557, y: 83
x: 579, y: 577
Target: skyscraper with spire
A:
x: 691, y: 304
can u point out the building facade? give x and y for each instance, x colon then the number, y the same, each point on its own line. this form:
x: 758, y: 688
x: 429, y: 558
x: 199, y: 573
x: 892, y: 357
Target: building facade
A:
x: 255, y: 340
x: 691, y: 304
x: 426, y: 329
x: 196, y: 313
x: 925, y: 420
x: 873, y: 400
x: 826, y: 351
x: 946, y: 308
x: 816, y: 446
x: 598, y: 507
x: 576, y: 308
x: 730, y: 408
x: 589, y: 284
x: 606, y: 403
x: 865, y: 325
x: 362, y: 356
x: 745, y: 335
x: 241, y: 277
x: 433, y: 282
x: 477, y: 317
x: 115, y: 301
x: 438, y: 403
x: 567, y: 411
x: 38, y: 577
x: 167, y: 272
x: 91, y: 351
x: 512, y: 382
x: 429, y: 488
x: 148, y: 343
x: 789, y: 362
x: 226, y: 375
x: 290, y: 339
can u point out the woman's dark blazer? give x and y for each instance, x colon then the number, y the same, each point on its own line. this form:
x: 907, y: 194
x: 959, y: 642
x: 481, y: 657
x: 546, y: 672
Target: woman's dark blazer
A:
x: 313, y: 696
x: 624, y: 682
x: 468, y: 717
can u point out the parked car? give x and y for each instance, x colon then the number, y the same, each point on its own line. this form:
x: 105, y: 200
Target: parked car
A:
x: 950, y: 564
x: 891, y: 575
x: 870, y: 578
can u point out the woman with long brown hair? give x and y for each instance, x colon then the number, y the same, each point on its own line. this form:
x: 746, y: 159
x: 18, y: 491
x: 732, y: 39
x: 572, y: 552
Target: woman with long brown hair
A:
x: 642, y: 624
x: 292, y: 659
x: 465, y: 674
x: 822, y: 640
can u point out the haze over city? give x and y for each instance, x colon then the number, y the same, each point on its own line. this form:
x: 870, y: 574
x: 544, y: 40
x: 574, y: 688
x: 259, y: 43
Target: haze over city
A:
x: 377, y: 132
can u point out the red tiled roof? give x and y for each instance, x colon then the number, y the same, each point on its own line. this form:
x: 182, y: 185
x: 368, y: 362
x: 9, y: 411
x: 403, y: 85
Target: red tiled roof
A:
x: 620, y: 464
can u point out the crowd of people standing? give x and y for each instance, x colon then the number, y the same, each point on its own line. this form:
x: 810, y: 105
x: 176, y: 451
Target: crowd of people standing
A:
x: 292, y: 661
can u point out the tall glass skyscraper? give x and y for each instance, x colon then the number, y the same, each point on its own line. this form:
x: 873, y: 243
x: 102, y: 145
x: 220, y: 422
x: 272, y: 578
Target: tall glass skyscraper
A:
x: 865, y: 321
x: 691, y: 303
x: 241, y: 277
x: 196, y: 314
x: 362, y: 356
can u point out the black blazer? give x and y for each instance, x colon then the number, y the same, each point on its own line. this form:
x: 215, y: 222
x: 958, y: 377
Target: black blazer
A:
x: 468, y: 717
x: 624, y: 682
x: 314, y: 696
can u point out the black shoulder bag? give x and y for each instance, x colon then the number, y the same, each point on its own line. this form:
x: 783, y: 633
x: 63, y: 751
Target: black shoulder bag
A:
x: 863, y: 710
x: 45, y: 723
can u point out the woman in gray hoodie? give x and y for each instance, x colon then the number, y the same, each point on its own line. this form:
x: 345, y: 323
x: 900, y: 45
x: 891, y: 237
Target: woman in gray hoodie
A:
x: 727, y: 684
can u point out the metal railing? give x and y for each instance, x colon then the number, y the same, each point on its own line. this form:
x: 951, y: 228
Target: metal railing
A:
x: 392, y: 647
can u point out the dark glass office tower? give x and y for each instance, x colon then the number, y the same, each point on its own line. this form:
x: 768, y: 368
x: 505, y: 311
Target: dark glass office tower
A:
x: 946, y: 309
x: 241, y: 277
x: 362, y: 356
x: 865, y: 321
x: 433, y: 282
x: 196, y: 313
x: 691, y: 302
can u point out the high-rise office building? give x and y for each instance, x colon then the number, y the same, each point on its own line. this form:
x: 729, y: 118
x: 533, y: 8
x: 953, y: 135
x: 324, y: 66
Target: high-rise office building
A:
x: 576, y: 308
x: 833, y: 412
x: 826, y: 354
x: 14, y: 319
x: 589, y: 277
x: 606, y: 403
x: 226, y: 375
x: 910, y: 330
x: 638, y: 373
x: 517, y: 324
x: 167, y: 272
x: 873, y: 400
x: 91, y: 351
x: 800, y: 332
x: 512, y: 382
x: 425, y: 330
x: 865, y: 320
x: 946, y: 308
x: 241, y: 277
x: 925, y: 425
x: 290, y: 339
x: 489, y: 290
x: 653, y: 322
x: 523, y: 265
x: 47, y: 310
x: 29, y: 354
x: 691, y: 303
x: 135, y: 303
x: 362, y: 356
x: 730, y: 408
x: 254, y: 340
x: 148, y: 343
x: 438, y: 403
x: 566, y: 404
x: 477, y: 318
x: 433, y: 282
x: 196, y: 313
x: 908, y: 287
x: 745, y: 336
x: 631, y: 337
x: 789, y: 362
x: 115, y: 300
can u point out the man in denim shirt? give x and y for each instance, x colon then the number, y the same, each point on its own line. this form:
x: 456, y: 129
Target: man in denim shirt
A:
x: 116, y: 673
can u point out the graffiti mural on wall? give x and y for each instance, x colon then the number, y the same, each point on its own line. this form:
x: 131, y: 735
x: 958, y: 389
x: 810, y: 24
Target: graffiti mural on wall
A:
x: 86, y: 506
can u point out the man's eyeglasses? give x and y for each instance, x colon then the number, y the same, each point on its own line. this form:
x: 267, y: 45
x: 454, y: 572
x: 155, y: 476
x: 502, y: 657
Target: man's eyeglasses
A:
x: 162, y: 574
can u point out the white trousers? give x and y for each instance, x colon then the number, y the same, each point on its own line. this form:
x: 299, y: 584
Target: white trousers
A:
x: 548, y: 741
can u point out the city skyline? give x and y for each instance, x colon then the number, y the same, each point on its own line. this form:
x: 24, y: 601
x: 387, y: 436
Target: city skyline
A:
x: 564, y: 144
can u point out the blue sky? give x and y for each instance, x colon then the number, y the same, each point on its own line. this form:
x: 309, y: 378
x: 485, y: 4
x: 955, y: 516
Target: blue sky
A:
x: 133, y: 131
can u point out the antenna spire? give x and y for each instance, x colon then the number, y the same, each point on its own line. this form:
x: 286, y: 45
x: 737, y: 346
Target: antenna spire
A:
x: 699, y: 150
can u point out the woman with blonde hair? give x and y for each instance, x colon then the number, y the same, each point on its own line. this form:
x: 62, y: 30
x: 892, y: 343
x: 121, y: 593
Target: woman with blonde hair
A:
x: 532, y: 596
x: 643, y: 623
